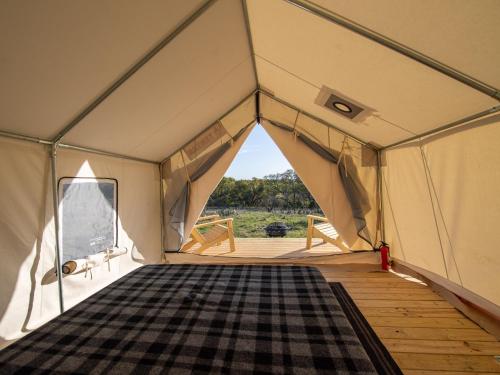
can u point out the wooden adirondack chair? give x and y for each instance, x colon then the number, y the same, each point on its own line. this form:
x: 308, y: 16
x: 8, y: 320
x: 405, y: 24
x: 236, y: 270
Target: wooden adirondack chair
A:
x: 323, y: 230
x: 218, y: 230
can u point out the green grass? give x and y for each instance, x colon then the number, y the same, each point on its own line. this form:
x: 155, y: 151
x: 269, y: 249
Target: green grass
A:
x: 251, y: 224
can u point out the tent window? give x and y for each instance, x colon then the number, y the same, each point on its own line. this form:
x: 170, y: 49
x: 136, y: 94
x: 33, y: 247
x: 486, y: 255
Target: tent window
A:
x: 88, y: 214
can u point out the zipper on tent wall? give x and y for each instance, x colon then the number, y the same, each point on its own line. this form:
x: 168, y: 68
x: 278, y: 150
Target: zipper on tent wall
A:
x: 55, y: 201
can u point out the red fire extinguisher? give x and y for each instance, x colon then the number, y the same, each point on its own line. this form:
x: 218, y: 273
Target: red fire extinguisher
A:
x: 384, y: 256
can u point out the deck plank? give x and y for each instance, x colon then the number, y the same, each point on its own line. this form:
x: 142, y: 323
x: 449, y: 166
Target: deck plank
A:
x: 459, y: 347
x: 271, y: 248
x: 449, y: 362
x: 396, y: 296
x: 422, y: 322
x: 423, y: 332
x: 415, y: 312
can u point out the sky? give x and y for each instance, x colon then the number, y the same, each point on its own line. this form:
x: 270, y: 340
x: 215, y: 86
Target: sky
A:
x: 259, y: 156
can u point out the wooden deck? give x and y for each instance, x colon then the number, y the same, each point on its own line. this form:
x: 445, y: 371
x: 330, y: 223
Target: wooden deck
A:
x: 423, y: 332
x: 271, y: 248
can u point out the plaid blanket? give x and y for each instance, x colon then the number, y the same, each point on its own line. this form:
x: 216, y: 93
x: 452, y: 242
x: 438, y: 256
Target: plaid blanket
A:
x: 185, y: 319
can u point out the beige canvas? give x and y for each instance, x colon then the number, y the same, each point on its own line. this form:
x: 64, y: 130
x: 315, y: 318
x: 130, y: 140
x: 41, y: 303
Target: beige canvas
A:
x: 29, y: 285
x: 441, y: 207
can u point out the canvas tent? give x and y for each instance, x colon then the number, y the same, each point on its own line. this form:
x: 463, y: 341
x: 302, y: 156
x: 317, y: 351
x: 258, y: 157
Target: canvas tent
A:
x: 160, y: 95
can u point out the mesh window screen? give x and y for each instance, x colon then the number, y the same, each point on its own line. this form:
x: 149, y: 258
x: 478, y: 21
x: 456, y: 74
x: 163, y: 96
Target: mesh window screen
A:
x: 88, y: 212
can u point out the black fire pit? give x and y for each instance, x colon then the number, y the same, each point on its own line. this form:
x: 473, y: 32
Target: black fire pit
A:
x: 276, y: 229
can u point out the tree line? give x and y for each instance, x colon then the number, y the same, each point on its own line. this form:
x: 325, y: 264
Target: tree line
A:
x: 276, y: 191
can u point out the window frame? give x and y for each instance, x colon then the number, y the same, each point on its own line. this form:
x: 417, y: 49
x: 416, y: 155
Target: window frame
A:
x: 75, y: 179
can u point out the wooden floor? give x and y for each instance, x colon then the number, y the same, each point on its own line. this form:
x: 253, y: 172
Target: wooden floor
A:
x: 423, y: 332
x: 271, y: 248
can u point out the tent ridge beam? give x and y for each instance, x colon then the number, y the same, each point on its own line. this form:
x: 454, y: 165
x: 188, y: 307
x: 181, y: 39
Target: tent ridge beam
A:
x: 131, y: 71
x: 315, y: 118
x: 250, y: 39
x: 448, y: 126
x: 23, y: 137
x: 257, y: 106
x: 106, y: 153
x: 397, y: 47
x: 26, y: 138
x: 219, y: 119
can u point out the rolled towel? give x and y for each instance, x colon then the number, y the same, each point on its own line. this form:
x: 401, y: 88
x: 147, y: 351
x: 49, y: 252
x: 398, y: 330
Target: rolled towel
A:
x: 91, y: 261
x: 74, y: 266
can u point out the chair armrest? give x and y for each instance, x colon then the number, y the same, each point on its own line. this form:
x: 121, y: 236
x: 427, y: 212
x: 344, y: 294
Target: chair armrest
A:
x: 210, y: 223
x: 319, y: 218
x: 208, y: 217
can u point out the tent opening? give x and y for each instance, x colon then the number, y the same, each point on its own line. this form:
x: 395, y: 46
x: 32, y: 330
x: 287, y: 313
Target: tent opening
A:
x: 263, y: 209
x: 339, y: 172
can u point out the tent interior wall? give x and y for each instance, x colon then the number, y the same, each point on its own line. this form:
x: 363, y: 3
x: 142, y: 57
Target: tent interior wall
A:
x: 133, y: 101
x: 29, y: 284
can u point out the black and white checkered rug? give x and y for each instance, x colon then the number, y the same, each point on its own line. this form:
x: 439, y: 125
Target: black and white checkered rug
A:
x: 185, y: 319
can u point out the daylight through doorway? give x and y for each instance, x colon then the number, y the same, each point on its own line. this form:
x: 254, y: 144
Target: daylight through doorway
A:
x: 269, y: 205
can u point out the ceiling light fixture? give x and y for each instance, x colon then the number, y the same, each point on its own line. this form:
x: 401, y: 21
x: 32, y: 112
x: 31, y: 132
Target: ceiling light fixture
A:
x: 342, y: 107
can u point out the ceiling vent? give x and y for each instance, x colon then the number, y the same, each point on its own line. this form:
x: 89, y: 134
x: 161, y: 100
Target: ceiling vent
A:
x: 342, y: 105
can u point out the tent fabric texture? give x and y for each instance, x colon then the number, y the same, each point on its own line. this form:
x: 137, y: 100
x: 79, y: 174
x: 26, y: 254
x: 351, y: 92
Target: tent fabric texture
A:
x: 394, y: 131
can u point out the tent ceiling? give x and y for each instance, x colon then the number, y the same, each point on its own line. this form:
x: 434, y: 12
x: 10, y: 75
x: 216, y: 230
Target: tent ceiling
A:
x: 295, y: 61
x: 462, y: 34
x: 60, y: 56
x: 57, y: 56
x: 186, y: 87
